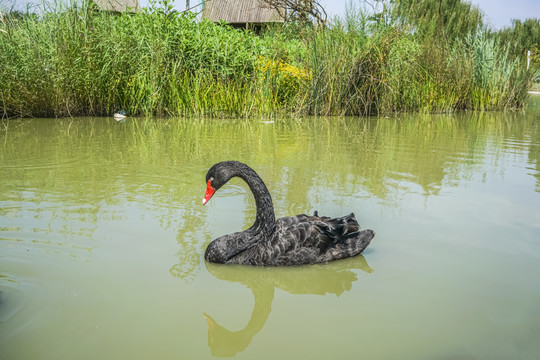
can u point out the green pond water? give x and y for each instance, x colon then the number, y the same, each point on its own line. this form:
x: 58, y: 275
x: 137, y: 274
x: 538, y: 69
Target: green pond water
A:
x: 102, y: 237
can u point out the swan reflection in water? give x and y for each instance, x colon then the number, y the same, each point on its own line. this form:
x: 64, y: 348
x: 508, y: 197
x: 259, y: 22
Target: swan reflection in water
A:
x: 333, y: 278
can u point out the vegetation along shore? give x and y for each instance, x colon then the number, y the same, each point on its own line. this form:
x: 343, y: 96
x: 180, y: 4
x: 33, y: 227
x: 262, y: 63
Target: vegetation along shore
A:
x: 415, y: 55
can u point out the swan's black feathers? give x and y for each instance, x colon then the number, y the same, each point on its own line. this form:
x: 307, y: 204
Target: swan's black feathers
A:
x: 288, y: 241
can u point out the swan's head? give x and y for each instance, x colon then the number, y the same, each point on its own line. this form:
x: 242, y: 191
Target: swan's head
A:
x: 219, y: 174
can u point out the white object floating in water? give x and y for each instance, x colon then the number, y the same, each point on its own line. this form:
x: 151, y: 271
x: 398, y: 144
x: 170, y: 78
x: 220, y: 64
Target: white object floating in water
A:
x: 120, y: 115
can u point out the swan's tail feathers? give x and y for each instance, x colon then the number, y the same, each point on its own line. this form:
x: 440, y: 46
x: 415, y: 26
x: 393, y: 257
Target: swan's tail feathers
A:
x: 349, y: 245
x: 337, y: 228
x: 352, y: 224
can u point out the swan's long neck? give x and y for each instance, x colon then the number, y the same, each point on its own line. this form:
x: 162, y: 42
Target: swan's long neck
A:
x: 226, y: 247
x: 265, y: 221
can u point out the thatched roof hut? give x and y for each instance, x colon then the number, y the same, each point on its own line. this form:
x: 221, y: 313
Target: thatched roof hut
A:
x: 241, y: 13
x: 118, y: 5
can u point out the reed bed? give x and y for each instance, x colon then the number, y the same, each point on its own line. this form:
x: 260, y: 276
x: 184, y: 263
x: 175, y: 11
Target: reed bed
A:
x: 75, y: 60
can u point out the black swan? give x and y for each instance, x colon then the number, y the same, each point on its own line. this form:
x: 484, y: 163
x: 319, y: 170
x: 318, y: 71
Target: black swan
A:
x: 288, y: 241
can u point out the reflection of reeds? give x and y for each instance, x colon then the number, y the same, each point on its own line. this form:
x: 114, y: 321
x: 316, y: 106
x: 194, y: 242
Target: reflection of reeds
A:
x: 422, y: 146
x: 160, y: 164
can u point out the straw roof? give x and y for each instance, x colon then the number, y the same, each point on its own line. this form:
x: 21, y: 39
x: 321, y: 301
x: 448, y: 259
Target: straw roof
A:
x: 118, y: 5
x: 240, y: 11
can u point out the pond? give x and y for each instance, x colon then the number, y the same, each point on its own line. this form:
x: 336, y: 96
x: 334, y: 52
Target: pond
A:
x: 102, y: 238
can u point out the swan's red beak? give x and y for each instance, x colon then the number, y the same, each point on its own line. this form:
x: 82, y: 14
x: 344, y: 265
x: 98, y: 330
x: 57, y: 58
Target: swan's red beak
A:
x: 209, y: 192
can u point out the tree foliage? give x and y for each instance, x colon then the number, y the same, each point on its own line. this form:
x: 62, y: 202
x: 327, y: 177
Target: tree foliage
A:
x: 521, y: 36
x: 444, y: 19
x: 302, y: 10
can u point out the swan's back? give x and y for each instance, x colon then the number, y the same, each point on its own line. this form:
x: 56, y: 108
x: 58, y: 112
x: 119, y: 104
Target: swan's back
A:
x: 304, y: 239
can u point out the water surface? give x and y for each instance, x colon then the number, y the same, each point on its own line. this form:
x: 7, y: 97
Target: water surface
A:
x: 102, y: 236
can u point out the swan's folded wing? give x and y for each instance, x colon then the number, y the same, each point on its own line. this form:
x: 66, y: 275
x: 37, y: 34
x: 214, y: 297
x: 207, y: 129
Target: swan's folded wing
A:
x: 336, y: 228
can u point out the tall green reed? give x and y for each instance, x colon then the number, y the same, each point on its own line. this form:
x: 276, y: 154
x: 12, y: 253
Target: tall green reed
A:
x: 85, y: 62
x: 387, y: 65
x: 75, y: 60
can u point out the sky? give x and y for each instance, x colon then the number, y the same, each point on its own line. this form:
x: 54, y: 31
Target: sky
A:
x: 499, y: 13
